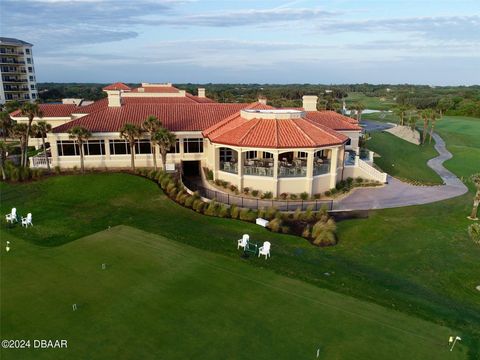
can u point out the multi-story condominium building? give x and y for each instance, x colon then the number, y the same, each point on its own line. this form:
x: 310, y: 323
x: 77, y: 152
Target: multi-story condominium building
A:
x: 250, y: 145
x: 17, y: 71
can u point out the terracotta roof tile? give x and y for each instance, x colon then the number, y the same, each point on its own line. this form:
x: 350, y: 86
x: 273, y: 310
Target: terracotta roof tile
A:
x: 333, y: 120
x: 117, y: 86
x: 157, y: 89
x: 51, y: 110
x: 176, y: 117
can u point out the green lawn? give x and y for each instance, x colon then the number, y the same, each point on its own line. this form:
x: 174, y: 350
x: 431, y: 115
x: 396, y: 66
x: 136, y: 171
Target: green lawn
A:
x: 373, y: 103
x: 160, y: 299
x: 402, y: 159
x: 417, y: 260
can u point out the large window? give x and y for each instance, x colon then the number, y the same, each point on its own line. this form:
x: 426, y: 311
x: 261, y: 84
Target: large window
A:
x: 67, y: 148
x: 94, y: 147
x: 175, y: 149
x: 251, y: 155
x: 193, y: 145
x: 143, y: 147
x: 226, y: 154
x: 119, y: 147
x: 267, y: 155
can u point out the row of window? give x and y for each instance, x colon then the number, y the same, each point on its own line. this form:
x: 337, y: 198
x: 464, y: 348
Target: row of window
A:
x: 122, y: 147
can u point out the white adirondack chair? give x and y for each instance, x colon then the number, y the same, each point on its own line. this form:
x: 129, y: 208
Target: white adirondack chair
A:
x: 12, y: 216
x: 264, y: 250
x: 27, y: 220
x: 243, y: 242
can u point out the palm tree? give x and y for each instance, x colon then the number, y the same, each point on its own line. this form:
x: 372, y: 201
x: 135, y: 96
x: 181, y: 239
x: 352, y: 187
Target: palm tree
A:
x: 358, y: 107
x: 4, y: 149
x: 43, y: 128
x: 151, y: 126
x: 80, y: 134
x: 20, y: 132
x: 475, y: 179
x: 401, y: 112
x: 426, y: 115
x: 434, y: 117
x: 6, y: 123
x: 131, y: 133
x: 30, y: 110
x: 165, y: 140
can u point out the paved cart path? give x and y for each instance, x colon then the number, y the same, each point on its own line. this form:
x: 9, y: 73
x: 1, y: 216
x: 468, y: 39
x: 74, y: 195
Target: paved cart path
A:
x: 397, y: 193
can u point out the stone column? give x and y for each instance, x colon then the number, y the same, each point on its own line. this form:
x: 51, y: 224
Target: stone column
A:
x: 216, y: 162
x: 309, y: 178
x: 333, y: 167
x: 275, y: 173
x: 240, y: 157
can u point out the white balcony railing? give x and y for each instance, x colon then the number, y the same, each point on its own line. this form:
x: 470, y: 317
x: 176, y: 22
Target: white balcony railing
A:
x: 40, y: 162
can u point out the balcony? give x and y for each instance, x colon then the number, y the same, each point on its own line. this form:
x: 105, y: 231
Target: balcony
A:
x: 321, y: 167
x: 229, y: 166
x: 5, y: 61
x: 258, y: 167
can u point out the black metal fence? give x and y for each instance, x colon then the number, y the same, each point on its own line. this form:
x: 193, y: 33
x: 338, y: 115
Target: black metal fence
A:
x: 252, y: 203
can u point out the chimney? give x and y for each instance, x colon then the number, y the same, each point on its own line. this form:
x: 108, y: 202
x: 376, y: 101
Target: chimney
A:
x: 201, y: 92
x: 114, y: 98
x: 262, y: 100
x: 310, y: 102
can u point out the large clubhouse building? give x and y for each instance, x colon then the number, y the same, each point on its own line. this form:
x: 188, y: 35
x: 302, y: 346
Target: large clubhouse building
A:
x: 247, y: 144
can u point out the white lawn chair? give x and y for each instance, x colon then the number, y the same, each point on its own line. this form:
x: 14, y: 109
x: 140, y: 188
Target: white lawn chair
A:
x: 243, y: 242
x: 27, y: 220
x: 264, y: 250
x: 12, y: 216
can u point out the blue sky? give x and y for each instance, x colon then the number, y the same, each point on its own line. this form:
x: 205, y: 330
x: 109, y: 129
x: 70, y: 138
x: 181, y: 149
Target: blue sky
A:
x: 337, y: 41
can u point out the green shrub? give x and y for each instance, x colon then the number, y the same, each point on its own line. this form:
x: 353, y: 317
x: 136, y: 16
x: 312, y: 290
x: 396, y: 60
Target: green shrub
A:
x: 172, y: 192
x: 261, y: 213
x: 255, y: 193
x: 248, y: 215
x: 75, y: 169
x: 25, y: 173
x: 323, y: 232
x: 283, y: 196
x: 233, y: 188
x: 271, y: 212
x: 37, y: 173
x: 304, y: 195
x: 198, y: 205
x: 358, y: 180
x: 152, y: 174
x: 285, y: 229
x: 224, y: 211
x: 275, y: 225
x: 224, y: 184
x: 170, y: 186
x: 234, y: 211
x: 293, y: 196
x: 317, y: 196
x: 308, y: 215
x: 58, y: 170
x: 267, y: 195
x: 297, y: 215
x: 218, y: 182
x: 212, y: 209
x: 209, y: 174
x: 165, y: 181
x: 306, y: 233
x: 328, y: 193
x: 189, y: 201
x: 333, y: 191
x: 246, y: 190
x: 15, y: 174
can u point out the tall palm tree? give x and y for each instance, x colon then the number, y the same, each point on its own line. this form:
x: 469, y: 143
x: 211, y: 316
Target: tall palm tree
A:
x: 20, y: 132
x: 426, y: 115
x: 152, y: 125
x: 165, y: 140
x: 358, y: 107
x: 80, y: 135
x: 31, y: 111
x: 6, y: 123
x: 401, y: 112
x: 131, y: 133
x: 4, y: 149
x: 433, y: 119
x: 475, y: 179
x: 42, y: 128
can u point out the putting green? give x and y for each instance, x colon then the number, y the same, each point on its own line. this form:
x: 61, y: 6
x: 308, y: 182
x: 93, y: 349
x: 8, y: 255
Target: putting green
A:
x: 161, y: 299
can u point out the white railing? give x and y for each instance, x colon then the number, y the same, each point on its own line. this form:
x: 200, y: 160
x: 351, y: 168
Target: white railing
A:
x: 39, y: 161
x: 372, y: 172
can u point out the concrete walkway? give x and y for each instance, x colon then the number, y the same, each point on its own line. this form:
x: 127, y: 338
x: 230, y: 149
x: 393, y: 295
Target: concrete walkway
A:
x: 397, y: 193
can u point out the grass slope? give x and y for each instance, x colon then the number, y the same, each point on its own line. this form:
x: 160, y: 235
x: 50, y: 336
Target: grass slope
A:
x: 162, y: 299
x: 402, y: 159
x: 369, y: 102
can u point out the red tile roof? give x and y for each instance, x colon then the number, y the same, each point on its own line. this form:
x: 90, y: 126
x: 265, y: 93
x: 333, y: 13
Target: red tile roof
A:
x: 273, y: 133
x: 157, y: 89
x: 176, y: 117
x: 117, y: 86
x: 333, y: 120
x: 51, y: 110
